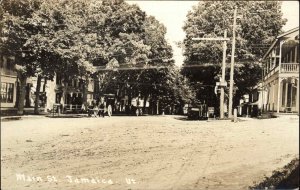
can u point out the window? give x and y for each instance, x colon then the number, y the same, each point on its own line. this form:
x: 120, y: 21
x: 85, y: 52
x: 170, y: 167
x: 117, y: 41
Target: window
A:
x: 7, y: 92
x: 75, y: 83
x: 70, y: 82
x: 9, y: 64
x: 58, y: 80
x: 80, y: 83
x: 297, y: 54
x: 255, y: 97
x: 277, y: 62
x: 283, y: 94
x: 1, y: 62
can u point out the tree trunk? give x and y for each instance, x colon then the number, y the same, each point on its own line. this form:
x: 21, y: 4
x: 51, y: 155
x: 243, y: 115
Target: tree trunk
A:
x: 45, y: 95
x: 157, y: 107
x: 64, y: 96
x: 144, y: 106
x: 85, y: 91
x: 37, y: 94
x: 22, y: 93
x: 27, y: 100
x: 45, y: 84
x: 151, y: 106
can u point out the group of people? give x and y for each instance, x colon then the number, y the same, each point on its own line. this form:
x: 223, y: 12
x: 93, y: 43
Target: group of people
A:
x: 97, y: 108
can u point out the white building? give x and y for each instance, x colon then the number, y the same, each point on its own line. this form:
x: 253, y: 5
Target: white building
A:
x: 281, y: 74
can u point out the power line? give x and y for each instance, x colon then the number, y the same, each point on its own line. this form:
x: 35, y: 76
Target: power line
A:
x: 157, y: 84
x: 148, y: 67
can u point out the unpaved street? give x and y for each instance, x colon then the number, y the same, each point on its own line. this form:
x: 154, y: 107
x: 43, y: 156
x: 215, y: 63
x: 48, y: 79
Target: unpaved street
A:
x: 149, y: 152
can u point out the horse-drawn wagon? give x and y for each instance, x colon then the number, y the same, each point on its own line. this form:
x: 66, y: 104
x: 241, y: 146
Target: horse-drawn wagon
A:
x: 103, y: 106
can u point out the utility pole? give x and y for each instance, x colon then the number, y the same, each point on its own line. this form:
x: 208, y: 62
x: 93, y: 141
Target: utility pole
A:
x: 223, y: 83
x: 223, y: 77
x: 232, y: 65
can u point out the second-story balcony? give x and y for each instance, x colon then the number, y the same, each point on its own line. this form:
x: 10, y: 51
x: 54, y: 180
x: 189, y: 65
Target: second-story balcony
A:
x: 282, y: 58
x: 289, y: 68
x: 285, y: 68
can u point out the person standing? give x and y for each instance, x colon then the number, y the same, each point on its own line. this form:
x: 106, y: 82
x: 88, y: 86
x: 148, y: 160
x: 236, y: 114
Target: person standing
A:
x: 102, y: 105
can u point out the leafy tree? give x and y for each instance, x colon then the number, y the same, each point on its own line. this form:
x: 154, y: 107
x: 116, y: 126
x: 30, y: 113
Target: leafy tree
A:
x: 122, y: 41
x: 175, y: 89
x: 160, y: 56
x: 136, y: 40
x: 68, y: 38
x: 15, y: 31
x: 168, y: 86
x: 53, y: 38
x: 260, y: 23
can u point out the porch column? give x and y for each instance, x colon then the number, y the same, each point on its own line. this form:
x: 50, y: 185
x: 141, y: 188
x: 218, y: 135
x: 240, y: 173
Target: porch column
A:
x: 268, y: 98
x: 278, y: 94
x: 261, y: 97
x: 273, y: 95
x: 297, y: 97
x: 280, y: 54
x: 286, y: 92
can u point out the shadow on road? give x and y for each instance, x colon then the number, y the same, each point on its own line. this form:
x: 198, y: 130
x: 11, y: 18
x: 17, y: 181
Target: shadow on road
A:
x: 187, y: 119
x: 287, y: 178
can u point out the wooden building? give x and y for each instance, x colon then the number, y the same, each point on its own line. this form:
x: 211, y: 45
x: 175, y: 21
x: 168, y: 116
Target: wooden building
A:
x: 281, y: 74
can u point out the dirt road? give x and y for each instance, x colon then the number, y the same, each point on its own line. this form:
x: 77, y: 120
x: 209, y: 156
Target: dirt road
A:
x: 151, y: 152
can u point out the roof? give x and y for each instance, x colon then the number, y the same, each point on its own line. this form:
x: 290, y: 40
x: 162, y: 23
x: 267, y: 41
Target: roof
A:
x: 278, y: 38
x: 289, y: 32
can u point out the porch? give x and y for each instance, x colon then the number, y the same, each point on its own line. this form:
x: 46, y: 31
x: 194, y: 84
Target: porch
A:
x: 281, y: 89
x: 289, y: 95
x: 281, y: 74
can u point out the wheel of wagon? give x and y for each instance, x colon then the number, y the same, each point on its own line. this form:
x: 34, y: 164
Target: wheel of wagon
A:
x: 109, y: 110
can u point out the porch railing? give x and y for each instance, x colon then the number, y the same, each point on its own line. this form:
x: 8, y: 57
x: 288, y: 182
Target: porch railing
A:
x: 290, y: 67
x: 72, y: 107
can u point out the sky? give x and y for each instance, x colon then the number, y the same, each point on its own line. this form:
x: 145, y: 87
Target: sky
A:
x: 173, y: 14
